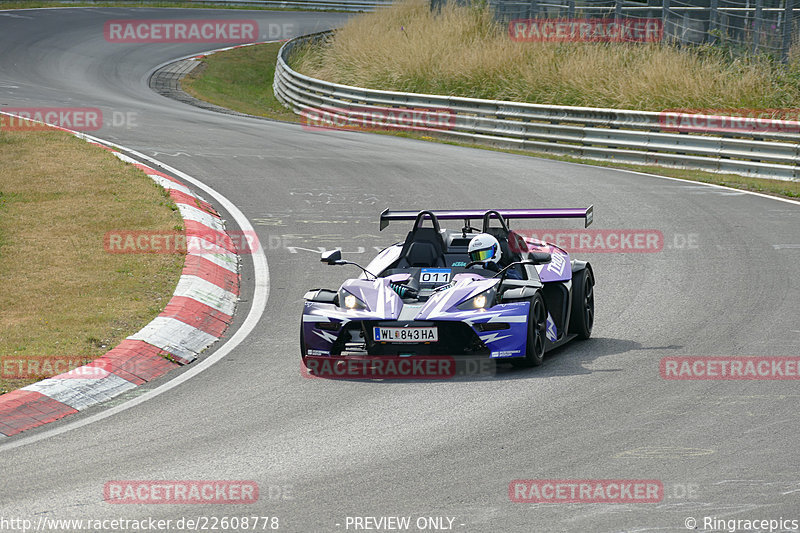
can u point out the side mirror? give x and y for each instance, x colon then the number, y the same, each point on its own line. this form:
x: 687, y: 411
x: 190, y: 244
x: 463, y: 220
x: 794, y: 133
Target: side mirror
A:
x: 332, y: 256
x: 519, y: 293
x: 540, y: 258
x: 324, y: 296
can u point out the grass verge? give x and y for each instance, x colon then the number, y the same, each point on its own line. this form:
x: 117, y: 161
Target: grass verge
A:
x: 239, y: 79
x: 462, y: 51
x: 218, y: 83
x: 63, y: 296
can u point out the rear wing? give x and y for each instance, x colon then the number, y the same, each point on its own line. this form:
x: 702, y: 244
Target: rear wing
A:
x: 508, y: 214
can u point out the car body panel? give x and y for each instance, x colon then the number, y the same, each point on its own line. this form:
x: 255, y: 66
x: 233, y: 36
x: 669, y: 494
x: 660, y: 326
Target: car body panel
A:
x: 498, y: 330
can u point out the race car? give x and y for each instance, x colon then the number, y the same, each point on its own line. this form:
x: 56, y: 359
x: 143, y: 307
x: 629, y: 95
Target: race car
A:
x: 470, y: 292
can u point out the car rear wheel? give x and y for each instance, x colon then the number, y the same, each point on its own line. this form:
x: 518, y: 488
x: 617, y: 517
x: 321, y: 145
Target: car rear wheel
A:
x: 537, y: 329
x: 582, y: 316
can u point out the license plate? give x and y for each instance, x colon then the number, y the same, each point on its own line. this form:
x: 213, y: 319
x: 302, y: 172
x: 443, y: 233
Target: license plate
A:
x: 434, y: 276
x: 406, y: 334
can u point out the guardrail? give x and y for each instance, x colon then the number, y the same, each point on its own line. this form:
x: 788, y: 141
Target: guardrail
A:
x: 625, y: 136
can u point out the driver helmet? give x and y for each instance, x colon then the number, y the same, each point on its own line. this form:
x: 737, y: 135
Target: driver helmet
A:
x: 484, y: 248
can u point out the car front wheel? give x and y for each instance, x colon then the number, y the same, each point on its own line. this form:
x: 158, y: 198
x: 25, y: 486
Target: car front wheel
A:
x: 582, y: 316
x: 537, y: 329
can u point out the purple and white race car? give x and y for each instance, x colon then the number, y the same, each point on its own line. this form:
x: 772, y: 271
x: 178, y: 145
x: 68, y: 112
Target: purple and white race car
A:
x: 424, y: 296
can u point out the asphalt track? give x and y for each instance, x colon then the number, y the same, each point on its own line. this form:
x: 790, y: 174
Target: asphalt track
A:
x: 324, y: 450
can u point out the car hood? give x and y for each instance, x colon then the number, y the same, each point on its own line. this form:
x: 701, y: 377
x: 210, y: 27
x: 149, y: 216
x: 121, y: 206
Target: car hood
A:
x: 384, y: 303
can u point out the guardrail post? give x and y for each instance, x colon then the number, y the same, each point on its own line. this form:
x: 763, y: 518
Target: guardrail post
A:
x: 665, y: 18
x: 713, y: 21
x: 759, y: 16
x: 571, y: 9
x: 787, y: 30
x: 684, y: 27
x: 617, y: 10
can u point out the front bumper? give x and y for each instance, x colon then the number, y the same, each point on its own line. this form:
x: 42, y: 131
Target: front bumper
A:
x: 498, y: 332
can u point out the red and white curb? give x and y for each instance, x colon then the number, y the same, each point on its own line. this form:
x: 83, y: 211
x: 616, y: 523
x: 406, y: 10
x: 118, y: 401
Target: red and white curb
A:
x: 198, y: 314
x: 234, y: 47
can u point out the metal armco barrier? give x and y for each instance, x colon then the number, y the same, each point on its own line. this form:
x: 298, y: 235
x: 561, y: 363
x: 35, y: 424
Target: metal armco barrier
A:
x: 635, y: 137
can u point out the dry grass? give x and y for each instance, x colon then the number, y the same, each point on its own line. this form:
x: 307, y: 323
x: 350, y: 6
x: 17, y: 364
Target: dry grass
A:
x: 30, y: 4
x: 62, y: 294
x: 464, y: 52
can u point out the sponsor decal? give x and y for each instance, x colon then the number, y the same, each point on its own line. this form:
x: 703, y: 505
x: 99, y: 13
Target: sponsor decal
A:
x: 557, y: 264
x: 507, y: 353
x: 551, y: 332
x: 608, y: 30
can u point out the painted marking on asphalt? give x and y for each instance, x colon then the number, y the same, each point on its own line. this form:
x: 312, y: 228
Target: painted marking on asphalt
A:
x: 13, y: 16
x: 712, y: 185
x: 664, y: 452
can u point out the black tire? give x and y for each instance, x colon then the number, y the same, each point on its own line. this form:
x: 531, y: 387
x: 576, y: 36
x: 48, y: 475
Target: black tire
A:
x: 537, y: 331
x: 581, y: 318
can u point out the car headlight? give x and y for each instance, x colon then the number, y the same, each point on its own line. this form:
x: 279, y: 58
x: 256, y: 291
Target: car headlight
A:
x: 479, y: 301
x: 350, y: 301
